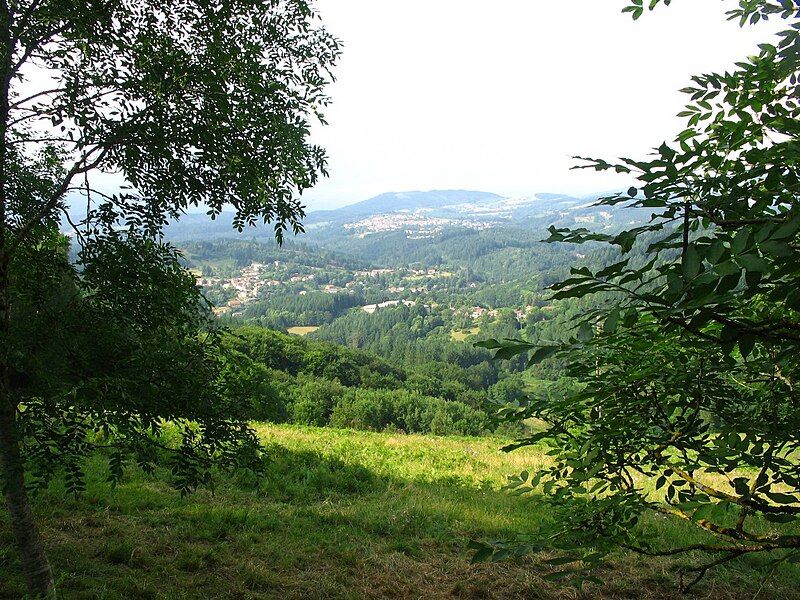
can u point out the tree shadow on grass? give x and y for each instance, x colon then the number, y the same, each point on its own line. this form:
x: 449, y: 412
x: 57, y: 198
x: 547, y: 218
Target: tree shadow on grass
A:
x: 315, y: 526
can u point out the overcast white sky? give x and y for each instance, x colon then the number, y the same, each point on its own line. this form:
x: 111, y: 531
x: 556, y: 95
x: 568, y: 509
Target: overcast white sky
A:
x: 498, y: 95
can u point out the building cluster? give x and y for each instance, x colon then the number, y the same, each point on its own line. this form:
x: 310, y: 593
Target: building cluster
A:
x: 374, y: 272
x: 247, y: 285
x: 416, y: 225
x: 425, y: 272
x: 476, y: 312
x: 371, y: 308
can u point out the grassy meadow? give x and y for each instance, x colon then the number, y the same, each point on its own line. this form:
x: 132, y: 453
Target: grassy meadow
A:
x: 460, y: 335
x: 301, y: 331
x: 340, y: 514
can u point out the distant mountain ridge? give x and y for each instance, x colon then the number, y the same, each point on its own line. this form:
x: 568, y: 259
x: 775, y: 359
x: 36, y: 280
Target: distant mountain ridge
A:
x: 421, y: 215
x: 389, y: 202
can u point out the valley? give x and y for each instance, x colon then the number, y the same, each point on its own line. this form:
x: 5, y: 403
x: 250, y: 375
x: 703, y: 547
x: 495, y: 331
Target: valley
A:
x: 565, y: 367
x: 412, y: 303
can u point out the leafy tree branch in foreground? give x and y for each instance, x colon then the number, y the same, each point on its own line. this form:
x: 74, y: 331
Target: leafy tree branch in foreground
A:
x: 688, y: 366
x: 193, y: 103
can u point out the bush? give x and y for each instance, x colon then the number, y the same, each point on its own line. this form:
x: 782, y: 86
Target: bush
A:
x: 362, y: 409
x: 401, y: 410
x: 257, y: 392
x: 442, y: 423
x: 456, y: 418
x: 313, y: 400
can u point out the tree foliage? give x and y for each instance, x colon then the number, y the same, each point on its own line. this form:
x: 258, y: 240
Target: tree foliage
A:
x: 688, y: 403
x: 194, y: 103
x: 286, y: 378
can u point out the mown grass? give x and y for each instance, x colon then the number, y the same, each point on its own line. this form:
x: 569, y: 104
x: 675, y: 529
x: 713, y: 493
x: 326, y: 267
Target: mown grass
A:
x: 340, y: 514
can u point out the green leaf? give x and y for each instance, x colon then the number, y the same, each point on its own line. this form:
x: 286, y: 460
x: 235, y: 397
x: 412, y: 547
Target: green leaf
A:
x: 675, y: 283
x: 510, y: 350
x: 753, y: 262
x: 585, y: 332
x: 542, y: 353
x: 746, y: 344
x: 491, y: 344
x: 610, y: 324
x: 727, y: 267
x: 483, y: 554
x: 705, y: 511
x: 556, y: 575
x: 691, y: 263
x: 716, y: 252
x: 788, y: 229
x: 780, y: 249
x: 781, y: 498
x: 631, y: 317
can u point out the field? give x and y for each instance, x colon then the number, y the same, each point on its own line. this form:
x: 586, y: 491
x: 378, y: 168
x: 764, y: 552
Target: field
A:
x: 341, y: 514
x: 301, y: 330
x: 461, y: 336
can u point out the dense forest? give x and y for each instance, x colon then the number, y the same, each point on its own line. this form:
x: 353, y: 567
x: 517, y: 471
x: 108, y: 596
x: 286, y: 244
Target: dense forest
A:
x: 292, y: 380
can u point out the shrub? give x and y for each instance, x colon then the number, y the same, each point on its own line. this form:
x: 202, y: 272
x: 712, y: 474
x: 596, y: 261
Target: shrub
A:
x: 313, y: 400
x: 407, y: 411
x: 362, y: 409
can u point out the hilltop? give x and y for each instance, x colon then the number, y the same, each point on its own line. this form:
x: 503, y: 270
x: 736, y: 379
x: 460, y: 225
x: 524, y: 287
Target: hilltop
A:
x: 425, y: 215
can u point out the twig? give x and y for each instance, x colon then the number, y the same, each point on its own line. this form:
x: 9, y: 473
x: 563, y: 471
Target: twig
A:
x: 701, y: 571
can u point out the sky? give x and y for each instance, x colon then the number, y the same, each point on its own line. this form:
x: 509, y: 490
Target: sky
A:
x: 498, y: 96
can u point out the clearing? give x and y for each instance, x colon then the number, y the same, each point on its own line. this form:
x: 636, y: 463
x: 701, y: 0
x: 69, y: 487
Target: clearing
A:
x: 301, y: 330
x: 459, y: 335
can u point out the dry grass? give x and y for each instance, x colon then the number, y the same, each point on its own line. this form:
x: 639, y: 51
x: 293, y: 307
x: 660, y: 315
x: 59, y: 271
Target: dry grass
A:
x: 301, y: 330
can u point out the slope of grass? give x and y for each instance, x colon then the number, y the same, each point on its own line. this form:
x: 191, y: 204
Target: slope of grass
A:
x: 301, y: 331
x: 341, y: 514
x: 461, y: 335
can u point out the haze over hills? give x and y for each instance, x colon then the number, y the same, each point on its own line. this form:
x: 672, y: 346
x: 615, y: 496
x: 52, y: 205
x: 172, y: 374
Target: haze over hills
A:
x: 427, y: 214
x: 413, y: 200
x: 452, y: 203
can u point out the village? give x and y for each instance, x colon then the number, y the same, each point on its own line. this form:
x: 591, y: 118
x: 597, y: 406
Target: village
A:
x: 416, y: 225
x: 259, y: 281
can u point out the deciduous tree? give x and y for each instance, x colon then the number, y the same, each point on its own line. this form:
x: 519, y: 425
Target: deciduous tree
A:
x: 191, y: 103
x: 689, y: 365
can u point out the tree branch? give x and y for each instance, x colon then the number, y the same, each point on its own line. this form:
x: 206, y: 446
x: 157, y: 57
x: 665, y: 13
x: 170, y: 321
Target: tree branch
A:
x: 701, y: 571
x: 21, y: 101
x: 741, y: 501
x: 35, y: 45
x: 82, y: 165
x: 25, y: 17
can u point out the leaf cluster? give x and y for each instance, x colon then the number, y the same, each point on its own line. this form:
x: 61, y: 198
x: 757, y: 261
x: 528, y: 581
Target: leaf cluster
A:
x: 688, y: 363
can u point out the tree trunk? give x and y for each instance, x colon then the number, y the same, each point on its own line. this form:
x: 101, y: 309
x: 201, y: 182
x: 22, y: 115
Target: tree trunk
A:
x: 33, y: 558
x: 34, y: 561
